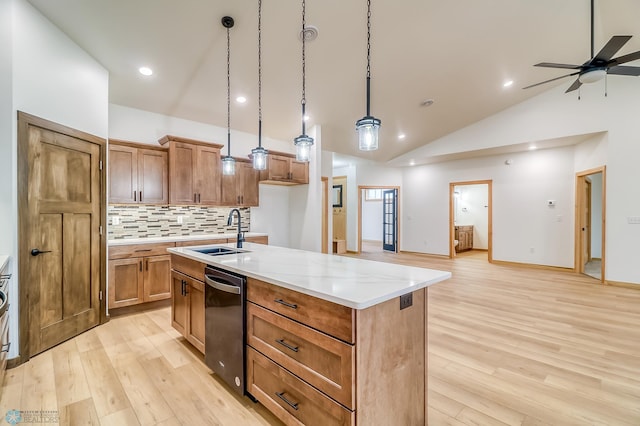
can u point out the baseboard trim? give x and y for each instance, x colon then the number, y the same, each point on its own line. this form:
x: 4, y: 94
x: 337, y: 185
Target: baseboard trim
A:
x: 13, y: 362
x: 622, y: 284
x: 417, y: 253
x: 114, y: 312
x: 532, y: 265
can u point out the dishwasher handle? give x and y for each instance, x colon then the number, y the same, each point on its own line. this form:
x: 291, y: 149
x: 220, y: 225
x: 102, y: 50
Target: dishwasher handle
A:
x: 222, y: 286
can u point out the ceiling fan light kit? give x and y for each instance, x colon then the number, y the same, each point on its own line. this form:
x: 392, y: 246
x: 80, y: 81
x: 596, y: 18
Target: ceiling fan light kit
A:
x: 228, y: 162
x: 368, y: 126
x: 599, y: 65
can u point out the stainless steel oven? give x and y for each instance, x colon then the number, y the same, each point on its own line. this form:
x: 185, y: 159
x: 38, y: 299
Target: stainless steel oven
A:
x: 225, y: 326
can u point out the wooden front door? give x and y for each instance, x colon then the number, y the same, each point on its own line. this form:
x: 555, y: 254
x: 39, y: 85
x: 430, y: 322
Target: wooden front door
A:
x: 61, y: 248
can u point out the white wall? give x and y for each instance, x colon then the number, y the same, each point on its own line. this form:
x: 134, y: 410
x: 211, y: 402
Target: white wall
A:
x: 525, y: 229
x: 305, y: 203
x: 140, y: 126
x: 52, y: 78
x: 7, y: 151
x: 371, y: 219
x: 273, y: 199
x: 472, y: 209
x: 350, y: 172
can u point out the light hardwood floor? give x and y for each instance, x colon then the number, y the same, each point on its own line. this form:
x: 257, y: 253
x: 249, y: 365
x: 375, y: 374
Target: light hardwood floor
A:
x: 507, y: 345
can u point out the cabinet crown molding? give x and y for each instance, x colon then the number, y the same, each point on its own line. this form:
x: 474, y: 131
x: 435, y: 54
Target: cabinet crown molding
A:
x: 169, y: 138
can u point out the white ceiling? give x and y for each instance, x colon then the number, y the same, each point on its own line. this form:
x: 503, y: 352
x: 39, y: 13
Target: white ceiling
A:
x: 457, y: 52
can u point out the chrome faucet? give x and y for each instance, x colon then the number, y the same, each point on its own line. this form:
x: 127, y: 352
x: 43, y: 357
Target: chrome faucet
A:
x: 230, y: 221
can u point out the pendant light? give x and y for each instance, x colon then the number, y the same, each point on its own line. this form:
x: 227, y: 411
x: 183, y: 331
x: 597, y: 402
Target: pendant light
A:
x: 368, y: 126
x: 303, y: 142
x: 228, y: 162
x: 259, y: 154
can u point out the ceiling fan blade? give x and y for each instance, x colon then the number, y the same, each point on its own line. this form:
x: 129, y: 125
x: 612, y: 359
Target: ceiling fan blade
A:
x: 549, y: 81
x: 610, y: 49
x: 576, y: 84
x: 554, y: 65
x: 625, y: 58
x: 623, y: 70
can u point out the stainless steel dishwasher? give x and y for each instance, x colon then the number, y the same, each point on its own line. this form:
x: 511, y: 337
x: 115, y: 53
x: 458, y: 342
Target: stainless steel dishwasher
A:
x: 224, y: 349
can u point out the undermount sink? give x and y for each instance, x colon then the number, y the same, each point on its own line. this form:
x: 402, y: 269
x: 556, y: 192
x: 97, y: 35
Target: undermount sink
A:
x: 218, y: 251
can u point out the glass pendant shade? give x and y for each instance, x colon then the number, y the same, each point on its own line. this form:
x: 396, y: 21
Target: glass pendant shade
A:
x: 303, y: 148
x: 367, y: 128
x: 228, y: 166
x: 259, y: 158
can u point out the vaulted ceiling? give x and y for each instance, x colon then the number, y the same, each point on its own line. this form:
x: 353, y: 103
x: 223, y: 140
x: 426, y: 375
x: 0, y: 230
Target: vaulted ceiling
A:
x: 458, y: 53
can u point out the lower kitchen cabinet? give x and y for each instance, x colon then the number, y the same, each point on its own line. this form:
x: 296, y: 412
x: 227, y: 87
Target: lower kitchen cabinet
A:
x: 138, y: 274
x: 187, y: 303
x: 314, y: 362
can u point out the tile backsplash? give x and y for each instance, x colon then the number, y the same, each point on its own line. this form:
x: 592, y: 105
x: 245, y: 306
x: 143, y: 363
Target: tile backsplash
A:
x: 139, y: 221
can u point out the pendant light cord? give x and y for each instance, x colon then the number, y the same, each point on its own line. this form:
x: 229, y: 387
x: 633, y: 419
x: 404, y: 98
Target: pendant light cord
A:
x: 368, y: 58
x: 259, y: 73
x: 228, y: 93
x: 304, y: 64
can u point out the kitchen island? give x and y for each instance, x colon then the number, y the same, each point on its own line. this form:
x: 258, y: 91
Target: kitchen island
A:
x: 330, y: 339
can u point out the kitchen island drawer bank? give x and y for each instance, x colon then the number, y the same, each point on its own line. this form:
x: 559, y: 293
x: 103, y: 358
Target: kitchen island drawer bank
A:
x: 331, y: 339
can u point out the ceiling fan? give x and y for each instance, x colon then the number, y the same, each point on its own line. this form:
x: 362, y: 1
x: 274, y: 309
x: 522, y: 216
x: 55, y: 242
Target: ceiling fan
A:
x: 599, y: 65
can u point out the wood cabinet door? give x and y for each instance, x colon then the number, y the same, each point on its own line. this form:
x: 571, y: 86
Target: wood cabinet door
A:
x: 125, y: 282
x: 182, y: 169
x: 123, y: 174
x: 228, y: 186
x: 299, y: 172
x: 153, y: 183
x: 157, y: 278
x: 208, y: 175
x: 247, y: 182
x: 179, y: 302
x: 279, y: 167
x: 196, y: 326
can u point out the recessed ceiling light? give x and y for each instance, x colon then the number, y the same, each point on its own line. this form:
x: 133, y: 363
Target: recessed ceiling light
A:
x: 427, y: 102
x: 145, y: 71
x: 306, y: 118
x: 412, y: 163
x: 241, y: 99
x: 507, y: 83
x: 532, y: 147
x: 402, y: 136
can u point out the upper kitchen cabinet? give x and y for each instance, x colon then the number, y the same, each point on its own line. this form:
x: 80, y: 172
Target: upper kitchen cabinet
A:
x: 283, y: 169
x: 240, y: 189
x: 137, y: 173
x: 194, y: 171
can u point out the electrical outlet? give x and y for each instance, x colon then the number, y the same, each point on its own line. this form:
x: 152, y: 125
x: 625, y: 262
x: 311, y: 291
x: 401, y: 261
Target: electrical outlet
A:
x: 406, y: 300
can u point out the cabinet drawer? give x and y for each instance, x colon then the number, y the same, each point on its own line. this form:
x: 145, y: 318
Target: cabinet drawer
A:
x: 139, y: 250
x: 201, y: 242
x: 288, y: 397
x: 188, y: 267
x: 321, y: 360
x: 331, y: 318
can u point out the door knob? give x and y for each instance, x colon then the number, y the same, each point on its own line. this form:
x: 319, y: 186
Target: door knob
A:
x: 35, y: 252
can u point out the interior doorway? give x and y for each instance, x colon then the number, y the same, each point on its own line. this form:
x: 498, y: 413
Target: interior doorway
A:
x: 590, y: 223
x: 325, y: 214
x: 470, y: 217
x: 378, y: 224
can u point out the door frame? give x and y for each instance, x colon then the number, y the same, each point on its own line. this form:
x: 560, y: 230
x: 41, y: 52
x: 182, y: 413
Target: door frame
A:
x: 579, y: 206
x: 325, y: 214
x: 360, y: 189
x: 24, y: 122
x: 489, y: 184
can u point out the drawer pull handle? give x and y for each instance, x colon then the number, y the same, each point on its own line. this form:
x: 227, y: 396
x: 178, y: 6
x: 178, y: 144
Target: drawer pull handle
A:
x: 8, y: 345
x: 5, y: 276
x: 289, y: 403
x: 286, y: 345
x: 141, y: 250
x: 288, y: 305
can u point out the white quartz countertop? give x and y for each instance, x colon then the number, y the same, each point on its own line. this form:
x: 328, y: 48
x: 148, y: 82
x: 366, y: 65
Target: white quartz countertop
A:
x: 149, y: 240
x: 352, y: 282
